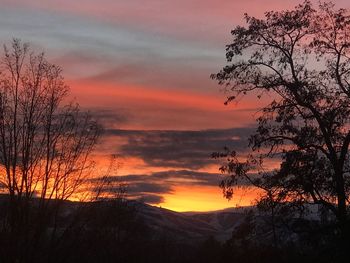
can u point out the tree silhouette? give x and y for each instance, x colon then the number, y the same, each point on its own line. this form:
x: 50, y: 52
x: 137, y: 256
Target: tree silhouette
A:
x: 45, y: 144
x: 300, y: 59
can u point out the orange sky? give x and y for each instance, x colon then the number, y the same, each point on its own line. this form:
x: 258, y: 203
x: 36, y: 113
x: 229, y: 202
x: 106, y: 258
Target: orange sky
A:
x: 142, y: 68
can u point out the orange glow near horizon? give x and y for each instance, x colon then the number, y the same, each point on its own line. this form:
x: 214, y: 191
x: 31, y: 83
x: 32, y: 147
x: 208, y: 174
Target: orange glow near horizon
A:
x: 183, y: 197
x: 207, y: 198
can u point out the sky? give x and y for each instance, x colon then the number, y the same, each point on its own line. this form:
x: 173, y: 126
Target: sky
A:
x: 142, y: 67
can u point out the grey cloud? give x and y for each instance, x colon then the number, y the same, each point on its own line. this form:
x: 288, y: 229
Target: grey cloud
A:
x: 150, y: 188
x: 151, y: 199
x: 172, y: 177
x: 181, y: 149
x: 110, y: 117
x: 145, y: 187
x: 182, y: 152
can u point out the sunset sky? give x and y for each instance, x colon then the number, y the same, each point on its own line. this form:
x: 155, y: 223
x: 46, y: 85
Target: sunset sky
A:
x: 142, y: 68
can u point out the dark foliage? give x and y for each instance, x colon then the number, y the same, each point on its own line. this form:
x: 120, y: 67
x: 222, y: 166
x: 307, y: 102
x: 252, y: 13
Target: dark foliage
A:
x: 300, y: 60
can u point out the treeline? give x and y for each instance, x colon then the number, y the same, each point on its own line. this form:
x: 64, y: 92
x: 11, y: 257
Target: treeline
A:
x: 113, y: 231
x: 282, y: 240
x: 101, y: 231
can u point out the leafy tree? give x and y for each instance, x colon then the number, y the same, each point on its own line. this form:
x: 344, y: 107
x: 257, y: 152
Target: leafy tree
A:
x: 300, y: 60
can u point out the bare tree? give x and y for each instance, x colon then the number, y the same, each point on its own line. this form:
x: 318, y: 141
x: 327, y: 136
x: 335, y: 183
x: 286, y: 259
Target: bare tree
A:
x: 45, y: 142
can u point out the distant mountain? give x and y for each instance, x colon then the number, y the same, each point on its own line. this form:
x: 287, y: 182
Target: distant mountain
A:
x: 190, y: 226
x: 184, y: 227
x: 199, y: 226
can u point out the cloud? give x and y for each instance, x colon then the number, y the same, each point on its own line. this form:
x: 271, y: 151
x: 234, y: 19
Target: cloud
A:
x: 110, y: 117
x: 155, y: 108
x: 151, y: 199
x: 200, y: 20
x: 158, y: 70
x: 158, y: 182
x: 180, y: 149
x: 145, y: 187
x: 152, y: 187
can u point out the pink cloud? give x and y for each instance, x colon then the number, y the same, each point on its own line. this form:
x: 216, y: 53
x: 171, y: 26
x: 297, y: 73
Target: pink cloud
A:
x: 154, y: 108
